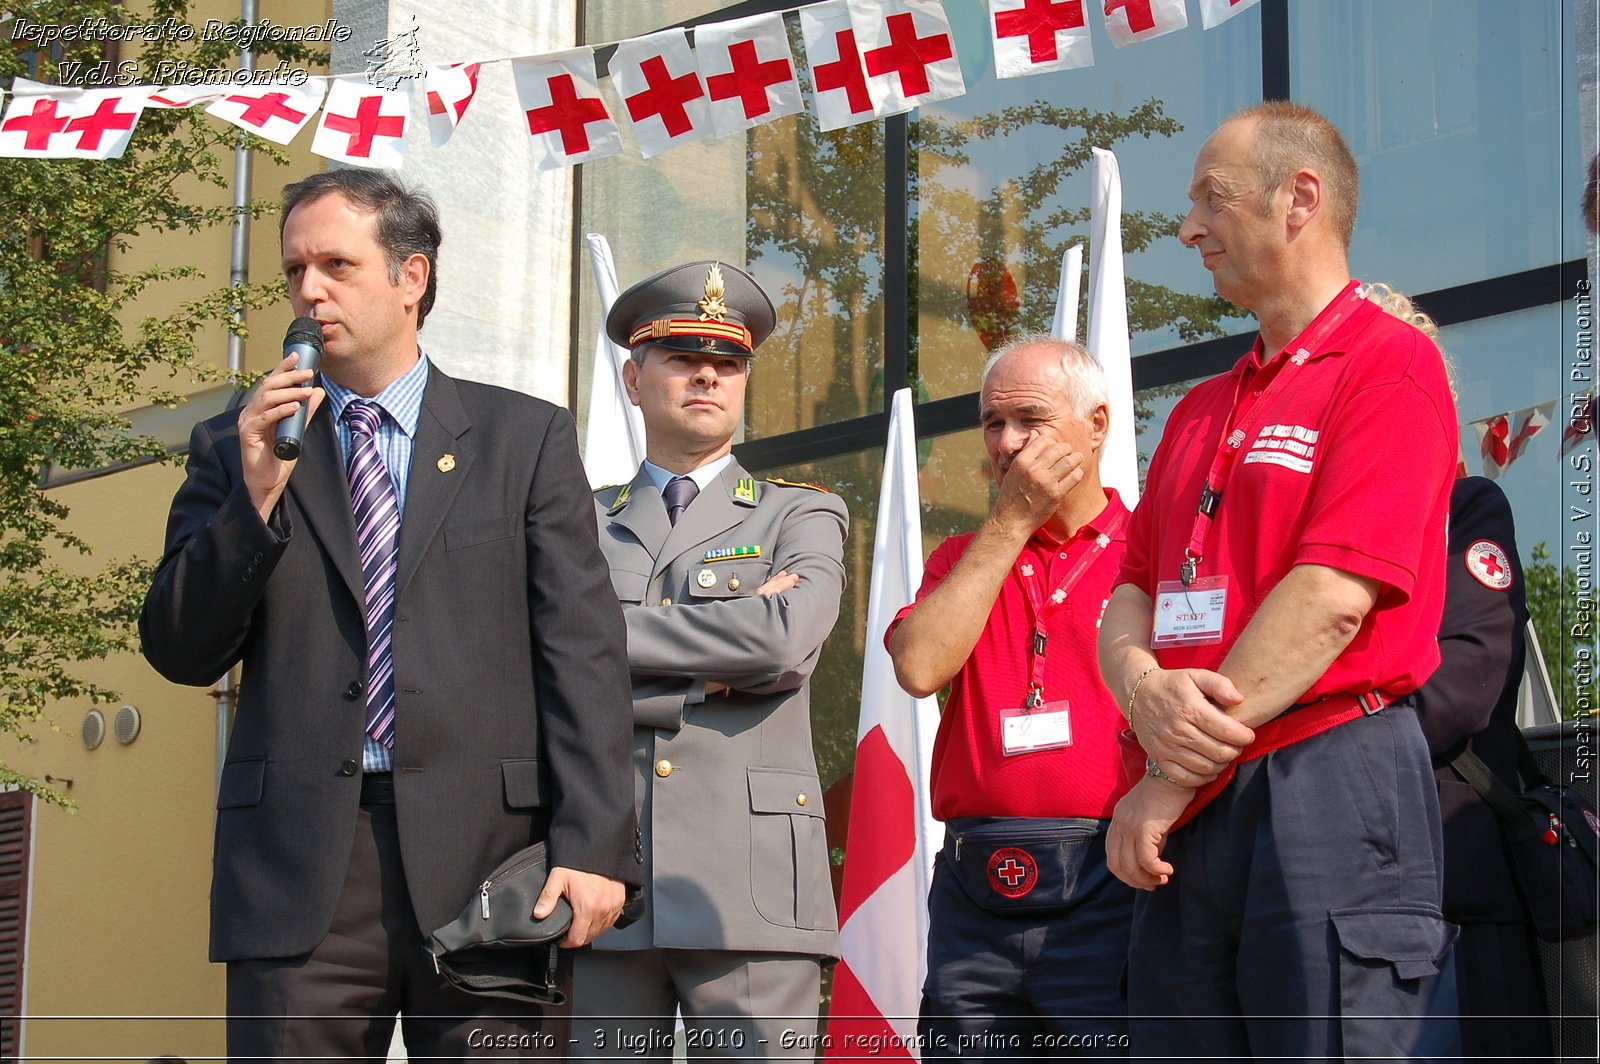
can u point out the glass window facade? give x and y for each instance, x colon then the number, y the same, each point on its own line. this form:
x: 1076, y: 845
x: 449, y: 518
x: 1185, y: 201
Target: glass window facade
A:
x: 901, y: 250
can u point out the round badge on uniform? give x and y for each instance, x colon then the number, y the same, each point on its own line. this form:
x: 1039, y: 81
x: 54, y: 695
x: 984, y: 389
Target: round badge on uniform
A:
x: 706, y: 578
x: 1488, y: 564
x: 1013, y: 872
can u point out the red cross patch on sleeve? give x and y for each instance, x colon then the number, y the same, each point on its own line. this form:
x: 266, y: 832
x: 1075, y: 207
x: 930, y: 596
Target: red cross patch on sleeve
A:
x: 1488, y: 564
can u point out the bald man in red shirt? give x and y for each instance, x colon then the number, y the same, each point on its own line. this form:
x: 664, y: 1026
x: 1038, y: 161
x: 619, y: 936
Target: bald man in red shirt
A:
x: 1028, y: 928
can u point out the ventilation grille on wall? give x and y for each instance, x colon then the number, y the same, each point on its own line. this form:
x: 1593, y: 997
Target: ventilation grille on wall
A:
x: 93, y: 730
x: 125, y: 725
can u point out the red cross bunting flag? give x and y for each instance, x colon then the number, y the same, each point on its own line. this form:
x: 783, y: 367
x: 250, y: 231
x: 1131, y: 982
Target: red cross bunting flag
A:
x: 908, y: 51
x: 559, y: 96
x: 1035, y: 36
x: 1504, y: 437
x: 1132, y: 21
x: 274, y: 112
x: 82, y: 124
x: 838, y: 80
x: 363, y: 125
x: 449, y: 88
x: 748, y: 72
x: 1214, y: 13
x: 177, y: 97
x: 661, y: 91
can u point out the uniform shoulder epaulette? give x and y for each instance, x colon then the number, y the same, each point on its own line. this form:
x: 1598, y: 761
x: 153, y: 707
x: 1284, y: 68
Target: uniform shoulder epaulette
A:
x: 798, y: 484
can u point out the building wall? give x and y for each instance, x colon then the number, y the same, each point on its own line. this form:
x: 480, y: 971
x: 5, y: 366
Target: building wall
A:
x: 117, y: 918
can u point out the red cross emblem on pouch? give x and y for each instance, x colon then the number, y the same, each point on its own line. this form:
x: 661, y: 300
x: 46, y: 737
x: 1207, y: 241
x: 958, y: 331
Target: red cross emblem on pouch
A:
x: 1013, y: 872
x: 1488, y: 564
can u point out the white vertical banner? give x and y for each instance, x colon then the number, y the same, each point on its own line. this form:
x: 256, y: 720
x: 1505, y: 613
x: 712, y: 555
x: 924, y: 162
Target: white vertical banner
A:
x: 888, y: 865
x: 1065, y: 326
x: 613, y: 439
x: 1107, y: 335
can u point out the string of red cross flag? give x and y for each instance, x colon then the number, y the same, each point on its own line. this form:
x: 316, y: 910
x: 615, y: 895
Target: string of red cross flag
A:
x: 1503, y: 438
x: 867, y: 59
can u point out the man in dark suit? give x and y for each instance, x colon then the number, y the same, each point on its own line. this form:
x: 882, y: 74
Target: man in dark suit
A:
x: 430, y: 650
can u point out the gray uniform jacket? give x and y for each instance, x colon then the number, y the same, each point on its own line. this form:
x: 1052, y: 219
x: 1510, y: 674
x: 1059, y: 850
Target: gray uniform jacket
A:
x: 730, y: 804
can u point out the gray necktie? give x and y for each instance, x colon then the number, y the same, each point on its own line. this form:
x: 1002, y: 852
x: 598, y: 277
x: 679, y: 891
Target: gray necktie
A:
x: 679, y: 493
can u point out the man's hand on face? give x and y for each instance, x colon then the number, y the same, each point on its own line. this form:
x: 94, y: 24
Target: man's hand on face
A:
x: 1037, y: 479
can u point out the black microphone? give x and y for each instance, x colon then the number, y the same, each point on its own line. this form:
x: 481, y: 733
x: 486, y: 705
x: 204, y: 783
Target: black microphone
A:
x: 304, y: 338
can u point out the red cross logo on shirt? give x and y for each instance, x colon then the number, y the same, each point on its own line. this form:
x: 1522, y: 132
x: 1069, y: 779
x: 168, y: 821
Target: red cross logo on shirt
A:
x: 1039, y: 20
x: 665, y: 96
x: 106, y: 118
x: 1139, y: 16
x: 569, y: 113
x: 40, y: 125
x: 367, y: 124
x: 749, y: 79
x: 907, y: 54
x: 1490, y: 566
x: 1012, y: 871
x: 845, y: 73
x: 258, y: 110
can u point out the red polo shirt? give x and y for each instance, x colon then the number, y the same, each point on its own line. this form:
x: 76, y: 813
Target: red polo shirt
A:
x: 1347, y: 463
x: 971, y: 776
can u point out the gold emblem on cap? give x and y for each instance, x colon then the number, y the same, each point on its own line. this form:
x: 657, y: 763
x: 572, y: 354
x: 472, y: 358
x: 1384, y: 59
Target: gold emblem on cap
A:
x: 712, y: 308
x: 705, y: 578
x: 447, y: 463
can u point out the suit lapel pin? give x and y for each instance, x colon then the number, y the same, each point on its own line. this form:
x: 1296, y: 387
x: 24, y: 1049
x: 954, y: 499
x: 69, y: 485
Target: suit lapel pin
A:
x: 447, y: 463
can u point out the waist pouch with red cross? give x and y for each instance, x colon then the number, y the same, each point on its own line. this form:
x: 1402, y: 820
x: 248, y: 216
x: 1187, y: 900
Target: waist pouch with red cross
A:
x: 1287, y: 728
x: 1026, y: 864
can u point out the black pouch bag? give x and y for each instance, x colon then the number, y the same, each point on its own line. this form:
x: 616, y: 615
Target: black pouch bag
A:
x: 1018, y: 865
x: 1552, y: 835
x: 496, y: 947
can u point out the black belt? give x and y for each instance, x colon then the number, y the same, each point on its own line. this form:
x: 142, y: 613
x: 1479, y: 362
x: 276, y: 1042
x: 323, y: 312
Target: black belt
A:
x: 377, y: 788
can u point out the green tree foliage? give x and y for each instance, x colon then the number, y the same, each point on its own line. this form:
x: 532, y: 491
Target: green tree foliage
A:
x: 1566, y: 630
x: 75, y: 352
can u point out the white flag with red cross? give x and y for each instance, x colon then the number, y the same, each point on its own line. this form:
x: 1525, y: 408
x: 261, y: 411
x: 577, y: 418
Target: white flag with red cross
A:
x: 363, y: 125
x: 1214, y: 13
x: 274, y: 112
x: 81, y: 124
x: 908, y: 51
x: 559, y: 96
x: 177, y: 97
x: 661, y: 90
x: 1035, y: 36
x: 748, y: 72
x: 1503, y: 438
x: 838, y: 80
x: 888, y: 865
x: 1132, y: 21
x: 450, y: 88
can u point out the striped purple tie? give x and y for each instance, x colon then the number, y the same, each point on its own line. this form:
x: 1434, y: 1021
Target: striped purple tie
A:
x: 378, y: 535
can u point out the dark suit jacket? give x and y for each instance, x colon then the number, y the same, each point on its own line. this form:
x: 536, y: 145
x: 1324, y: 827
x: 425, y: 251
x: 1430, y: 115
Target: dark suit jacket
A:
x: 1473, y: 695
x: 513, y: 708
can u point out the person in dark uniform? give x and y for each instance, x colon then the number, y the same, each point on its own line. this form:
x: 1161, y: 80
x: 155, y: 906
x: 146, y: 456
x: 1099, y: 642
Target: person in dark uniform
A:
x: 1473, y: 698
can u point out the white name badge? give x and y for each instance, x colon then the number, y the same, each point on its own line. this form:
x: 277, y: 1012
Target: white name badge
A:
x: 1047, y: 728
x: 1189, y: 616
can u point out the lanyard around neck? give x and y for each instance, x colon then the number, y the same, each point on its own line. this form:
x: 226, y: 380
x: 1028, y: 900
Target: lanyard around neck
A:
x: 1042, y: 608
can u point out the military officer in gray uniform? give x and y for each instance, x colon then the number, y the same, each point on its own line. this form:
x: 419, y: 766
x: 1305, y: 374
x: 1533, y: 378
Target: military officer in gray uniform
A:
x: 729, y: 586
